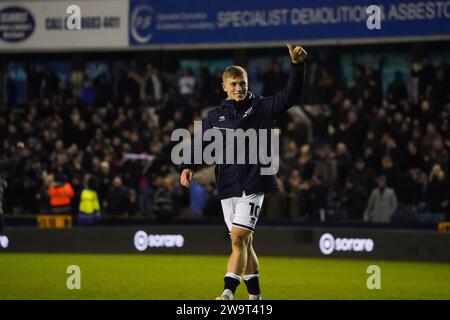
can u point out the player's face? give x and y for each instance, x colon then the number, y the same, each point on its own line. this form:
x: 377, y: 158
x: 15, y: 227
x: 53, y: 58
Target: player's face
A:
x: 236, y: 88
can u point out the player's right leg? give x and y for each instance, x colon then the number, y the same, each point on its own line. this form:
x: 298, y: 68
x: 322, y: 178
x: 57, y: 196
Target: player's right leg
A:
x: 240, y: 238
x: 237, y: 261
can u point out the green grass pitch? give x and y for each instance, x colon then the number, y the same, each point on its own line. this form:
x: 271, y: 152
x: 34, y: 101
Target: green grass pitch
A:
x: 121, y: 276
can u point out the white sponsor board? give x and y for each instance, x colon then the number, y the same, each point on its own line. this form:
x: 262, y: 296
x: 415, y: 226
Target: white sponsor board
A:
x: 43, y: 25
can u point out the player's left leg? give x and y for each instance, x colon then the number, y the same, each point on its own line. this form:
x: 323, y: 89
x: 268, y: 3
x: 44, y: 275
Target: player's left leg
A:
x: 251, y: 273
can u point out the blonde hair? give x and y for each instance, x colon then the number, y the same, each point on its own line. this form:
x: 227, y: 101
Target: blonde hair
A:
x: 233, y: 72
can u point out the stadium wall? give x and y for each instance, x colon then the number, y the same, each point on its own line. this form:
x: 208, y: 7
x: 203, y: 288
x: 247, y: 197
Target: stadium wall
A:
x: 411, y: 245
x: 48, y: 25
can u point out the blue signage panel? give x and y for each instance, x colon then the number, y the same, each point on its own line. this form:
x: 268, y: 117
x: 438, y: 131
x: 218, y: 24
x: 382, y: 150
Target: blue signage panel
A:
x: 195, y: 22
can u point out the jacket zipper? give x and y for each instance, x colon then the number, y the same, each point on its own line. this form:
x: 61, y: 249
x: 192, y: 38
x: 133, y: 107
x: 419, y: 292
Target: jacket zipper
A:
x: 238, y: 167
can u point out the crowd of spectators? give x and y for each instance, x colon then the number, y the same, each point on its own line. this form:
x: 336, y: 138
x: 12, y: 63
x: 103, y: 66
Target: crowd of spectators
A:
x: 351, y: 153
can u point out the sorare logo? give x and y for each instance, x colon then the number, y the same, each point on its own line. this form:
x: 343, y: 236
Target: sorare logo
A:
x: 142, y: 240
x: 16, y: 24
x: 329, y: 244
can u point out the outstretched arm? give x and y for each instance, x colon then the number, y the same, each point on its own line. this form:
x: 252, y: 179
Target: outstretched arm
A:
x: 287, y: 96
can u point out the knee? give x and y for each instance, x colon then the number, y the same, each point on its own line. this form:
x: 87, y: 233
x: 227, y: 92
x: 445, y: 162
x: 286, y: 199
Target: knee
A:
x: 239, y: 241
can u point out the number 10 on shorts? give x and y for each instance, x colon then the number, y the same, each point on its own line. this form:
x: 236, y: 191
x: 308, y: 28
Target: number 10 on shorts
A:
x: 254, y: 209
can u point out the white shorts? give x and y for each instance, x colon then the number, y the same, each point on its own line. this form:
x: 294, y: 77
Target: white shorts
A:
x: 242, y: 212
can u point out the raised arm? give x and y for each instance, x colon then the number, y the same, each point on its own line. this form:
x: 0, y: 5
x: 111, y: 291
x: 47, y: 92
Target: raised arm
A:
x: 289, y: 95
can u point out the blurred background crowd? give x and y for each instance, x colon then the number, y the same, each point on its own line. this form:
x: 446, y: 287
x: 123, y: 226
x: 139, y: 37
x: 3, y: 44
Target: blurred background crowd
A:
x: 370, y: 141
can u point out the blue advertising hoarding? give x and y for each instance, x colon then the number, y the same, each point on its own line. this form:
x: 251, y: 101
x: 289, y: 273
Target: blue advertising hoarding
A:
x: 205, y: 22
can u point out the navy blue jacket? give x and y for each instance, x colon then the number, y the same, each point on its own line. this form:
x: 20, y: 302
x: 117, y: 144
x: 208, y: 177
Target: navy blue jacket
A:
x: 255, y: 112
